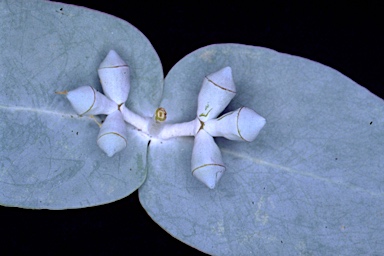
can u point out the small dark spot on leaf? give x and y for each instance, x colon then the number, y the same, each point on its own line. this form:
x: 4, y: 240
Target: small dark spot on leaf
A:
x: 253, y: 202
x: 77, y: 133
x: 326, y: 226
x: 336, y: 158
x: 281, y: 241
x: 370, y: 123
x: 130, y: 169
x: 264, y: 187
x: 60, y: 11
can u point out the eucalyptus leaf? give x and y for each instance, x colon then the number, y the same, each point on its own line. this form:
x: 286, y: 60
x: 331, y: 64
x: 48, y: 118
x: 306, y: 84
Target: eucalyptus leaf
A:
x: 49, y: 157
x: 311, y: 182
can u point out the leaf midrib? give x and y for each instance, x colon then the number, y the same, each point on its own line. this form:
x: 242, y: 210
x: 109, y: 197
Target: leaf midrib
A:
x: 295, y: 171
x: 42, y: 111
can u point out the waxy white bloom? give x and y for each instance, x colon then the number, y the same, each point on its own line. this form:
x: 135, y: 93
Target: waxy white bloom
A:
x: 85, y: 100
x: 112, y: 136
x: 207, y: 164
x: 217, y: 90
x: 243, y: 124
x: 114, y: 77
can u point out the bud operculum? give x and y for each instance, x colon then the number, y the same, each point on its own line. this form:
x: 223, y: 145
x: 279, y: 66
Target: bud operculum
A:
x: 114, y: 77
x: 206, y: 163
x: 112, y: 136
x: 242, y: 124
x: 217, y: 90
x: 87, y: 101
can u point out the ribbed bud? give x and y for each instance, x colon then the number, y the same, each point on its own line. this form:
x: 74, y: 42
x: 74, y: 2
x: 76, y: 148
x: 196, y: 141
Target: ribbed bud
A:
x: 114, y: 77
x: 87, y: 101
x: 112, y: 137
x: 217, y: 90
x: 207, y: 164
x: 242, y: 124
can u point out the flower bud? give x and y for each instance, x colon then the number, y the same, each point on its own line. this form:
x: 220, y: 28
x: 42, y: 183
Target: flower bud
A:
x: 217, y: 90
x: 112, y: 136
x: 207, y: 164
x: 87, y: 101
x: 114, y: 77
x: 242, y: 124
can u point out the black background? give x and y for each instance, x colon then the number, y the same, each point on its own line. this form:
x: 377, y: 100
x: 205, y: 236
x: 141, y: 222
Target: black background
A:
x: 348, y: 37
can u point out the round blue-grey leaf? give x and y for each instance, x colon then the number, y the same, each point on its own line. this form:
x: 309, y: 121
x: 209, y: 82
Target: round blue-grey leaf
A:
x: 49, y: 157
x: 311, y: 183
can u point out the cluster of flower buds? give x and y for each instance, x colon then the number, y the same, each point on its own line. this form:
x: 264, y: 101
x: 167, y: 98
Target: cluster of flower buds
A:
x: 217, y: 90
x: 114, y: 77
x: 243, y: 124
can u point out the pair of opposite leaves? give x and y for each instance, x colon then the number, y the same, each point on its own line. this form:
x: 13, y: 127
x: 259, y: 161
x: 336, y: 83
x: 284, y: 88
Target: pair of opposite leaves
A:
x: 217, y: 90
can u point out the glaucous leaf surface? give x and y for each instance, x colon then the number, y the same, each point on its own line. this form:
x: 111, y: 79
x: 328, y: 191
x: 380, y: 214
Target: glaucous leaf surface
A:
x: 313, y: 179
x: 49, y: 157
